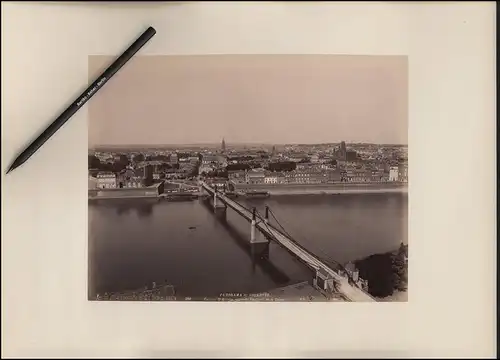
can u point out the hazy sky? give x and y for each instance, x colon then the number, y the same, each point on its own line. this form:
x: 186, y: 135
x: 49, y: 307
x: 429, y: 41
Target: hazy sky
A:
x: 251, y: 99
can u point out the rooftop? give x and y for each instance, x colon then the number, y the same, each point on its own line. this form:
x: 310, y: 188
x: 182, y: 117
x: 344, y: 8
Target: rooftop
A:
x: 106, y: 174
x: 256, y: 174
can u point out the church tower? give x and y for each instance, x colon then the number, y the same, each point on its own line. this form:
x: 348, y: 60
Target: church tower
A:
x: 223, y: 145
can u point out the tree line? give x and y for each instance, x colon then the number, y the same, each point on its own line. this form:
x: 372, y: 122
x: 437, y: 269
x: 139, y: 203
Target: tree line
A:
x: 386, y: 272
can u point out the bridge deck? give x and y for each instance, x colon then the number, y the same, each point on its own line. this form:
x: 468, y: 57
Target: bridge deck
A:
x: 353, y: 293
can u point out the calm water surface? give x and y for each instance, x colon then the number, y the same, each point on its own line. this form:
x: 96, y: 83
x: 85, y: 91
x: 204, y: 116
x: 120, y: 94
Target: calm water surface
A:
x: 135, y: 242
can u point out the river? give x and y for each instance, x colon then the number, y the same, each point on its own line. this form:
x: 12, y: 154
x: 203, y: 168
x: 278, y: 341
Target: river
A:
x: 134, y: 242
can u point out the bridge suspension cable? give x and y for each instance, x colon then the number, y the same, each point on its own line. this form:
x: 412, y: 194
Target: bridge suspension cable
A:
x: 325, y: 258
x: 285, y: 232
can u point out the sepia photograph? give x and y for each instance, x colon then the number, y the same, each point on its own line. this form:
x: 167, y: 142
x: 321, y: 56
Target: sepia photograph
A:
x: 249, y: 178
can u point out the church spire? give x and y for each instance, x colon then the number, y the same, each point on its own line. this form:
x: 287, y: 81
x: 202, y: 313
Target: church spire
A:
x: 223, y: 146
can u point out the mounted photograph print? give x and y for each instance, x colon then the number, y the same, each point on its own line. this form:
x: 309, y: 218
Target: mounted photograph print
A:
x: 249, y: 178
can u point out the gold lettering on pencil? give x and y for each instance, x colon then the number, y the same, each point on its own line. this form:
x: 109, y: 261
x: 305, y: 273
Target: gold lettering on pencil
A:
x: 91, y: 92
x: 102, y: 81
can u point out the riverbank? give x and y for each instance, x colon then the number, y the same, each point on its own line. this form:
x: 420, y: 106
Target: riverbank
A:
x: 283, y: 192
x: 119, y: 197
x: 164, y: 197
x: 273, y: 192
x: 163, y: 292
x: 325, y: 189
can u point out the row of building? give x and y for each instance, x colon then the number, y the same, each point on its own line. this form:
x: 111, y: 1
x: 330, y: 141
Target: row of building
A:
x: 127, y: 178
x: 211, y: 162
x: 110, y: 180
x: 143, y: 174
x: 318, y: 176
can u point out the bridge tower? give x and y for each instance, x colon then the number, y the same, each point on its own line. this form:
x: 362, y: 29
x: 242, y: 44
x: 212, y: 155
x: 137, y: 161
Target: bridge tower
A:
x: 259, y: 243
x: 255, y: 235
x: 252, y: 227
x: 219, y: 207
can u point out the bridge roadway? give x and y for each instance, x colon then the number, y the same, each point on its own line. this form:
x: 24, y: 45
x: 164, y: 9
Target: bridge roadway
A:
x: 351, y: 292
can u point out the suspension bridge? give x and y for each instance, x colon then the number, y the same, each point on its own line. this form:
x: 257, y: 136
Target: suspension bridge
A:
x: 262, y: 231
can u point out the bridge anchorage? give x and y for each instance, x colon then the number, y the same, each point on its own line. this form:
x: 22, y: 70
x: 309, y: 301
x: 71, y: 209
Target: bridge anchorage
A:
x: 331, y: 280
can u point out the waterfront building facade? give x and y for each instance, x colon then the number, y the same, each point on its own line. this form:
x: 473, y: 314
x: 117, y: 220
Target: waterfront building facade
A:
x: 106, y: 180
x: 393, y: 173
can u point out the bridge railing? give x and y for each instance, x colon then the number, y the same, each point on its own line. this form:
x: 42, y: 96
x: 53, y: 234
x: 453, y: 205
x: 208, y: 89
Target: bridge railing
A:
x: 335, y: 268
x: 258, y: 215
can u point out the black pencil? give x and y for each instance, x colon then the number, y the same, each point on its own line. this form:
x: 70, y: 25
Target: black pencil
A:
x: 83, y: 98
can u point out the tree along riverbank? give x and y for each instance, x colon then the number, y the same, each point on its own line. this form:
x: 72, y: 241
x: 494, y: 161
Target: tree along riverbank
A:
x: 387, y: 274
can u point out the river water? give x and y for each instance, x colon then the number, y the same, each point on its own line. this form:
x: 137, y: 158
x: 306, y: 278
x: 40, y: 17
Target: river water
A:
x: 134, y: 242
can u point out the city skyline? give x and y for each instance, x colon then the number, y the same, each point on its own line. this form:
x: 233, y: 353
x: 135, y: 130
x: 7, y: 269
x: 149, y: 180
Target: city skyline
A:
x: 230, y: 143
x: 265, y: 99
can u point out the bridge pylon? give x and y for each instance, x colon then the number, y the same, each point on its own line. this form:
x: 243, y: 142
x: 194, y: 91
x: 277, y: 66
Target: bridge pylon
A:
x: 255, y: 236
x: 219, y: 207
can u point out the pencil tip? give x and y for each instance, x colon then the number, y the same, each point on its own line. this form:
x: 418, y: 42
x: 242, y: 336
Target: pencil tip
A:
x: 10, y: 169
